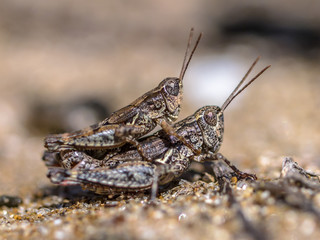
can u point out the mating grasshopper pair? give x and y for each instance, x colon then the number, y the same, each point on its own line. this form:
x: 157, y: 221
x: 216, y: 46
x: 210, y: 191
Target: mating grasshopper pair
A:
x: 99, y: 159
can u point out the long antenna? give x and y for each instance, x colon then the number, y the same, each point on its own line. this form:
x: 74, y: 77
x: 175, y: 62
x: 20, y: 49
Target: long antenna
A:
x: 186, y: 63
x: 234, y: 94
x: 187, y: 51
x: 240, y: 83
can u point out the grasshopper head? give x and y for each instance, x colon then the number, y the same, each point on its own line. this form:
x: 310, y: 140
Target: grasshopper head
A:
x: 210, y: 118
x: 171, y: 88
x: 211, y: 123
x: 172, y: 91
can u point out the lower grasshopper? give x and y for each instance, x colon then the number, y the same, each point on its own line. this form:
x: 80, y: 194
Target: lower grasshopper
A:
x: 127, y: 170
x: 160, y: 106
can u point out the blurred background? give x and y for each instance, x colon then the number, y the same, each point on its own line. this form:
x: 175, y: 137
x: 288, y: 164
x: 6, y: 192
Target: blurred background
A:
x: 67, y: 64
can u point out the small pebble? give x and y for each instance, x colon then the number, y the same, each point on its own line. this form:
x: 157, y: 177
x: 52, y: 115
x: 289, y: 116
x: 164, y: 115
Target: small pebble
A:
x: 10, y: 201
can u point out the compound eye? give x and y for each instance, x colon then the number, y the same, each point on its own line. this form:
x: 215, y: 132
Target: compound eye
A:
x: 211, y: 118
x: 172, y: 88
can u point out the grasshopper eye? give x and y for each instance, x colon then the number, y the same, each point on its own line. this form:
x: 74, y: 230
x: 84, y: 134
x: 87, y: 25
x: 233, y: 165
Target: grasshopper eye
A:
x: 172, y: 88
x: 210, y: 117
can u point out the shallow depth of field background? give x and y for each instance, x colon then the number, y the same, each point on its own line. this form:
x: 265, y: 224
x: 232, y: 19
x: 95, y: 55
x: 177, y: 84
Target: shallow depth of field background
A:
x: 65, y: 65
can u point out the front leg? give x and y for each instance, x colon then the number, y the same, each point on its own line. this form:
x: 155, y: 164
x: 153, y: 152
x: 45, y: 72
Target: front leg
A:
x: 170, y: 131
x: 218, y: 156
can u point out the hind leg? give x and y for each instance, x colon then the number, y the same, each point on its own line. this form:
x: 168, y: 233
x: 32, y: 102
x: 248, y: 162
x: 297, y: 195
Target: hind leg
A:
x: 126, y: 177
x: 131, y: 176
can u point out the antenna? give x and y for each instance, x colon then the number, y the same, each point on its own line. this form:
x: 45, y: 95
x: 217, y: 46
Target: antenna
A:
x: 235, y: 92
x: 185, y: 63
x: 187, y: 50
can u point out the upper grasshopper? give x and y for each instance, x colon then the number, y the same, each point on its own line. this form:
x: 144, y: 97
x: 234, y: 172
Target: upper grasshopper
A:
x: 160, y: 106
x: 127, y: 170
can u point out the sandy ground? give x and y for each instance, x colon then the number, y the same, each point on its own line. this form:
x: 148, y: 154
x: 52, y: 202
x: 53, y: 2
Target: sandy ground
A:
x: 67, y: 65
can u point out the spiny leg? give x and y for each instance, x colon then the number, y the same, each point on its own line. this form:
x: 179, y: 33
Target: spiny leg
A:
x: 100, y: 140
x: 105, y: 137
x: 127, y: 177
x: 132, y: 176
x: 243, y: 175
x: 219, y: 156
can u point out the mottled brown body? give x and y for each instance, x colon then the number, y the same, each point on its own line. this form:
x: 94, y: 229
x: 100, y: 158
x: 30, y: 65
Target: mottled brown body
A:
x: 124, y: 169
x: 159, y: 106
x: 170, y: 157
x: 134, y: 120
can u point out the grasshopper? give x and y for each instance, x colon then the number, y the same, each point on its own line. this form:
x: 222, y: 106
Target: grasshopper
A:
x: 159, y: 106
x: 126, y: 170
